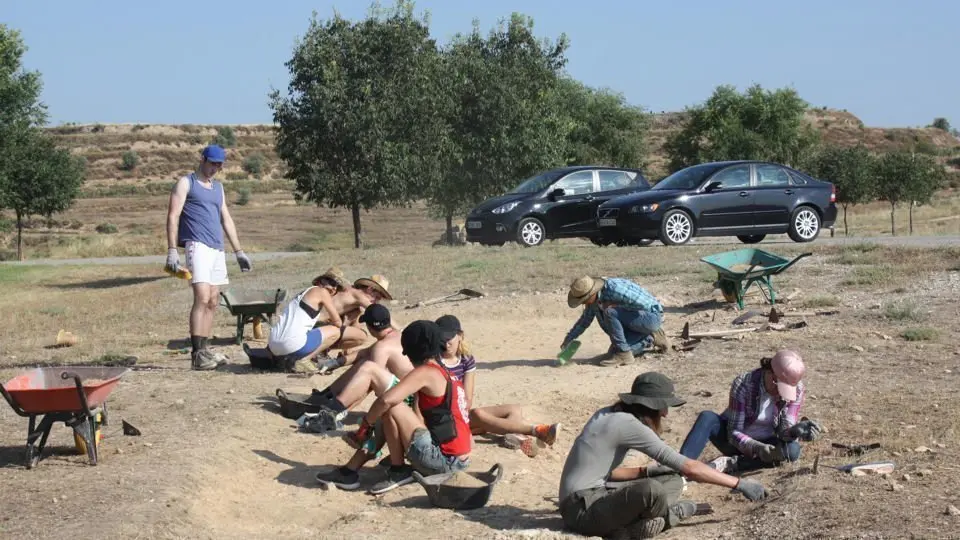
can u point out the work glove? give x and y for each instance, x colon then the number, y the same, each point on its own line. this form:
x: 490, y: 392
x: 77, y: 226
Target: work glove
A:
x: 806, y: 430
x: 243, y: 261
x: 769, y: 453
x: 173, y: 261
x: 752, y: 490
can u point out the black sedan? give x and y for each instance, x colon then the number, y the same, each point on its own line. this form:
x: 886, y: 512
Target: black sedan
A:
x: 746, y: 199
x: 559, y: 203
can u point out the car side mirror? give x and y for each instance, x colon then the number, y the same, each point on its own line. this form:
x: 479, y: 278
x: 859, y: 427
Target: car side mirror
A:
x: 559, y: 192
x: 713, y: 186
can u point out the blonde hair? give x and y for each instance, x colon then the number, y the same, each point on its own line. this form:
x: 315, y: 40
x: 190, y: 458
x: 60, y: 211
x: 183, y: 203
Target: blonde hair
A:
x: 463, y: 349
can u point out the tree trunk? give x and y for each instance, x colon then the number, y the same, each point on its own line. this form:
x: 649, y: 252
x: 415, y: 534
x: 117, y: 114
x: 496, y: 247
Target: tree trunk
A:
x: 846, y: 229
x: 357, y: 239
x: 19, y: 237
x: 449, y: 229
x: 893, y: 224
x: 911, y: 218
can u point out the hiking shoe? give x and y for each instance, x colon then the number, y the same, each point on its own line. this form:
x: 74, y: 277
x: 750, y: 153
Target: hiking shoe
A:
x: 304, y: 365
x: 547, y: 433
x: 645, y: 528
x: 327, y: 365
x: 221, y: 358
x: 724, y: 464
x: 620, y: 358
x: 341, y: 477
x: 525, y: 444
x: 660, y: 340
x: 396, y: 477
x: 203, y: 360
x: 688, y: 509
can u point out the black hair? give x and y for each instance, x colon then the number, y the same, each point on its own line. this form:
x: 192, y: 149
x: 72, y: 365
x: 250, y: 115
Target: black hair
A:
x: 650, y: 417
x: 324, y: 281
x: 766, y: 363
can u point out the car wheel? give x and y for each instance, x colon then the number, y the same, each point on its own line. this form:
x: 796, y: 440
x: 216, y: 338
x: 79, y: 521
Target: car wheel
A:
x: 676, y: 228
x: 531, y: 232
x: 804, y: 224
x: 751, y: 238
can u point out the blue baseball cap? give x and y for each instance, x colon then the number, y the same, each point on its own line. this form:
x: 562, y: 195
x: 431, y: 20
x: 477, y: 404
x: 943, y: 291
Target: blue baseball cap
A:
x: 214, y: 153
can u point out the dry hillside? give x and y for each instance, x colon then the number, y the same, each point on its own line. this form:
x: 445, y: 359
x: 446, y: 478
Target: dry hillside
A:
x: 165, y: 151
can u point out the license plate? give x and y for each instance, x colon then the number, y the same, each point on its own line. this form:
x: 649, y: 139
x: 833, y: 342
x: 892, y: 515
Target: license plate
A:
x: 608, y: 222
x: 474, y: 225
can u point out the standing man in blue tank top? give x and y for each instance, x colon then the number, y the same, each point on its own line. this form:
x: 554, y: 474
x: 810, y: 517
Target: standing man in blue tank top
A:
x: 196, y: 220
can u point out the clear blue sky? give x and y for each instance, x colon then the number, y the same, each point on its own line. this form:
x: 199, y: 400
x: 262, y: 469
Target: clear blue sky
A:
x: 890, y: 62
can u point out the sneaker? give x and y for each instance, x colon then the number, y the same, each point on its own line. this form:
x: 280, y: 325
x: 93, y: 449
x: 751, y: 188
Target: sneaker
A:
x: 327, y: 365
x: 396, y: 477
x: 304, y: 365
x: 547, y: 433
x: 203, y: 360
x: 221, y: 358
x: 645, y: 528
x: 724, y: 464
x: 341, y: 477
x: 525, y: 444
x: 660, y: 340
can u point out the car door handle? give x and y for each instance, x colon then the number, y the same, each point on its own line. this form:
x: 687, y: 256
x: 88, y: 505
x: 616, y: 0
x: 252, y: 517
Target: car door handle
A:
x: 744, y: 194
x: 788, y: 191
x: 588, y: 198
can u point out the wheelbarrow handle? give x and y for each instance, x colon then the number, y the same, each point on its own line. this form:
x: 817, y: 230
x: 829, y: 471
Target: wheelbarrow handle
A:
x: 83, y: 396
x: 789, y: 264
x: 13, y: 404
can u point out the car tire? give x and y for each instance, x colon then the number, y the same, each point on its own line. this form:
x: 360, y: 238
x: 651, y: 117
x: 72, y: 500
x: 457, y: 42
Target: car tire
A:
x: 531, y: 232
x: 676, y: 228
x: 804, y: 224
x: 751, y: 238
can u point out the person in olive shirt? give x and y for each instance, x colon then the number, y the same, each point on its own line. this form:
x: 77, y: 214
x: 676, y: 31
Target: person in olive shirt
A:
x: 647, y: 501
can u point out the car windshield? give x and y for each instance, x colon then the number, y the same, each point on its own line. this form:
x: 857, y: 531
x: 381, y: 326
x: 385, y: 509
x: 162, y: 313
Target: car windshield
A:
x: 536, y: 184
x: 688, y: 178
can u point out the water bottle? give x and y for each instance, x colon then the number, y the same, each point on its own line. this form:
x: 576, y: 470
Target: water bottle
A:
x: 567, y: 353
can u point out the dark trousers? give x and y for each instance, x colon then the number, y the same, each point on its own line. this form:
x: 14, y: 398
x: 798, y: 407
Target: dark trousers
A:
x: 712, y: 427
x: 602, y: 511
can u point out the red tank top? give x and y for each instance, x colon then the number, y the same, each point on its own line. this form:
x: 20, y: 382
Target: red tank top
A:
x: 462, y: 443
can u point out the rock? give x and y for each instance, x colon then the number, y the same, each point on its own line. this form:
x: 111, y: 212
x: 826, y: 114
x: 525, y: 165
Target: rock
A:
x: 951, y: 510
x: 148, y: 444
x: 857, y: 348
x: 922, y: 450
x: 895, y: 487
x: 940, y: 445
x: 897, y: 454
x: 906, y: 478
x: 857, y: 418
x: 924, y: 473
x: 179, y: 403
x: 231, y: 391
x: 118, y: 451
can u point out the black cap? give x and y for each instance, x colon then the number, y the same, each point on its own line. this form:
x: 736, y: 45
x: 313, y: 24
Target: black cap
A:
x: 422, y: 340
x: 652, y: 390
x: 450, y: 326
x: 377, y: 316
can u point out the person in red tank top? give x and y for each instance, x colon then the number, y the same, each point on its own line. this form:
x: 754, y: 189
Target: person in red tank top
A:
x: 439, y: 443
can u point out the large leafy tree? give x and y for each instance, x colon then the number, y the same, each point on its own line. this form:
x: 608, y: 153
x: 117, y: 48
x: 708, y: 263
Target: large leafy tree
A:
x: 907, y: 177
x: 758, y: 124
x: 359, y: 127
x: 36, y: 177
x: 852, y: 170
x: 500, y: 108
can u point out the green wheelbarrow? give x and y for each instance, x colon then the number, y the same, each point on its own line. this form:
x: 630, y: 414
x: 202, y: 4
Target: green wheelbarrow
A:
x: 738, y: 270
x: 252, y: 307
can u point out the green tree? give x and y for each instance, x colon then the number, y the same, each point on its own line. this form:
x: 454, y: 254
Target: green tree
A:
x: 758, y: 124
x: 907, y: 177
x: 851, y: 170
x: 36, y: 177
x: 358, y: 127
x: 604, y: 129
x: 502, y: 119
x: 941, y: 123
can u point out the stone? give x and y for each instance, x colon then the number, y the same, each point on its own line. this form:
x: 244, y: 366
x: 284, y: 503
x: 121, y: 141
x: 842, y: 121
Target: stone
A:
x: 952, y: 510
x: 906, y: 478
x: 925, y: 472
x: 895, y: 487
x: 857, y: 418
x: 857, y: 348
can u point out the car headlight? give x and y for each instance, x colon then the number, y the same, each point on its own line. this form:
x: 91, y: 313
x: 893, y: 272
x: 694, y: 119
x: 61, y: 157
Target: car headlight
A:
x: 506, y: 208
x: 643, y: 208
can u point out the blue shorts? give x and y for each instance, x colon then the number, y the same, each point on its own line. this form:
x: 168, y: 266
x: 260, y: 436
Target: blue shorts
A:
x: 314, y: 340
x: 428, y: 459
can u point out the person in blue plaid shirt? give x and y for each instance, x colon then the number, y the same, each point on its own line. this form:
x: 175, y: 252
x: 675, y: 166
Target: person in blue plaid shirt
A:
x: 627, y: 312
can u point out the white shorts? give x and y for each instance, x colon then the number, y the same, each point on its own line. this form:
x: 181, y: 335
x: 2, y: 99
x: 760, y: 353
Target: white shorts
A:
x: 208, y: 265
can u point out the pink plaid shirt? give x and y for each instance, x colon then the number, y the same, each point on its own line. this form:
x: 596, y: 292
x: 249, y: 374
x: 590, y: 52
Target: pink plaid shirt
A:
x: 745, y: 405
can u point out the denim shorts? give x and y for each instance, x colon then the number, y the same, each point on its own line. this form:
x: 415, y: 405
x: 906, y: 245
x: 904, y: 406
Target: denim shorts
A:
x: 428, y: 459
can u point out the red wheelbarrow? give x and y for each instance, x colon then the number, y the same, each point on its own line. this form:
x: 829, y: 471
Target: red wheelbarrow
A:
x: 76, y: 396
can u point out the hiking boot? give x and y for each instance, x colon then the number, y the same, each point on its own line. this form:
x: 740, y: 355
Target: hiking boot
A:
x: 304, y: 365
x: 547, y: 433
x: 724, y: 464
x: 221, y: 358
x: 327, y: 365
x: 525, y: 444
x: 341, y: 477
x: 203, y: 360
x: 396, y: 477
x: 660, y: 340
x: 645, y: 528
x: 620, y: 358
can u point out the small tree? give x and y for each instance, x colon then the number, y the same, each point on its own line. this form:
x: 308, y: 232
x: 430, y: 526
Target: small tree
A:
x: 129, y: 160
x: 907, y: 177
x: 253, y: 164
x: 941, y: 123
x: 928, y: 177
x: 225, y: 137
x: 852, y: 172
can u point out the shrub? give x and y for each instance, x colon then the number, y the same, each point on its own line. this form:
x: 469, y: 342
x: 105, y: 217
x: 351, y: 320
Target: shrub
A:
x: 253, y: 164
x: 941, y: 123
x: 129, y: 160
x: 243, y: 196
x: 236, y: 175
x: 107, y: 228
x: 225, y: 137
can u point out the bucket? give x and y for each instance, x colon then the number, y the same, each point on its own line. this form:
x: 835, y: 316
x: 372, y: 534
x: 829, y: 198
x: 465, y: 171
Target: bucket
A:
x: 82, y: 444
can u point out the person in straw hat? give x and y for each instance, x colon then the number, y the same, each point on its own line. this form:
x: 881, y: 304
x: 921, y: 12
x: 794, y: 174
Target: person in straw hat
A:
x: 294, y: 339
x: 760, y: 426
x: 350, y: 304
x: 627, y: 312
x: 600, y: 497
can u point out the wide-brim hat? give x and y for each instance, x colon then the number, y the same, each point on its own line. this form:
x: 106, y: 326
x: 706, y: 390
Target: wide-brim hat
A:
x: 334, y: 274
x: 582, y: 288
x: 652, y: 390
x: 377, y: 282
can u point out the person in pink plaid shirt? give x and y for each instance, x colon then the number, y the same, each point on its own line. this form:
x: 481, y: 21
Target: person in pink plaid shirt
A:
x: 761, y: 426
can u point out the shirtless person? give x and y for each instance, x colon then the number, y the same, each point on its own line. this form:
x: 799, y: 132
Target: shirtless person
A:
x: 350, y: 304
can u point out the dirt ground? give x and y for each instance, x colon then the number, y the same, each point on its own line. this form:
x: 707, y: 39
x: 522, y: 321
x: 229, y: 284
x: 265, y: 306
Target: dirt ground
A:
x: 216, y: 460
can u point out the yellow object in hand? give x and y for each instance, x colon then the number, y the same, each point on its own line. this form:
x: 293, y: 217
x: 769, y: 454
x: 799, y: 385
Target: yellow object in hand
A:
x: 181, y: 272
